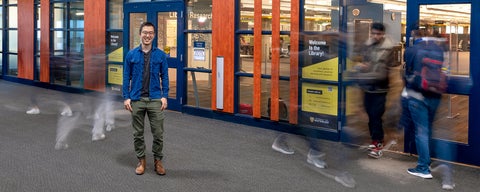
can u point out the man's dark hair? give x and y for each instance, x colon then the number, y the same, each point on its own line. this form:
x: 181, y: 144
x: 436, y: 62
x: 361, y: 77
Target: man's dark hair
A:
x: 146, y: 24
x: 378, y: 26
x: 417, y: 30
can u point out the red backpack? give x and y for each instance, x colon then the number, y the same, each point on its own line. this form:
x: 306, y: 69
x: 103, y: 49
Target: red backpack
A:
x: 428, y: 76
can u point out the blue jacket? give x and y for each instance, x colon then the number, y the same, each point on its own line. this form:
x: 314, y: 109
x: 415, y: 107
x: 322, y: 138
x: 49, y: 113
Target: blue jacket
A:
x: 133, y: 70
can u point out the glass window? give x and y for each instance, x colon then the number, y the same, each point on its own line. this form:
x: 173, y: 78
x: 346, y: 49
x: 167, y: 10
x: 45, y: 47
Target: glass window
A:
x: 12, y: 15
x: 59, y: 42
x: 199, y: 50
x: 135, y: 20
x: 76, y: 41
x: 200, y: 57
x: 451, y: 120
x: 172, y: 72
x: 12, y: 1
x: 37, y: 16
x: 284, y: 98
x: 451, y: 22
x: 12, y: 41
x: 76, y: 15
x: 115, y: 14
x: 321, y: 15
x: 66, y: 61
x: 1, y: 41
x: 452, y: 27
x: 59, y: 16
x: 199, y: 89
x: 1, y: 16
x: 247, y: 12
x: 246, y: 54
x: 167, y: 33
x: 245, y: 93
x: 12, y: 64
x: 246, y: 99
x: 38, y: 33
x: 199, y: 15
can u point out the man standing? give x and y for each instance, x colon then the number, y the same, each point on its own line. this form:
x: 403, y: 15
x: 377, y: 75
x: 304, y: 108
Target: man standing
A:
x: 373, y: 69
x: 145, y: 94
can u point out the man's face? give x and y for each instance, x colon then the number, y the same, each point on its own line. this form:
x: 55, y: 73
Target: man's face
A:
x: 147, y: 35
x: 377, y: 35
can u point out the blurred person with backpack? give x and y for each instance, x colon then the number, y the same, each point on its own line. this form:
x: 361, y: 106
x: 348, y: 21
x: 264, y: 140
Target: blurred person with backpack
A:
x: 424, y: 84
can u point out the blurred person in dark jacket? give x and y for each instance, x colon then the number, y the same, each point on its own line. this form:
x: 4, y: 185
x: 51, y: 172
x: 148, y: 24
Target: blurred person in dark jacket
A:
x: 377, y: 57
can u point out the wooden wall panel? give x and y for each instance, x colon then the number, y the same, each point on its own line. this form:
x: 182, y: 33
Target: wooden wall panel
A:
x: 257, y: 59
x: 95, y: 33
x: 45, y: 41
x: 223, y: 36
x: 25, y: 38
x: 275, y: 69
x: 294, y: 39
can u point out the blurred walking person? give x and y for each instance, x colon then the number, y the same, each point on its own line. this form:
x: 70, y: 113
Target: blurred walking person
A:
x: 419, y: 105
x: 376, y: 58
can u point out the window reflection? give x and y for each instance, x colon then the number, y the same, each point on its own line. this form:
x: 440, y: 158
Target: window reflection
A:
x: 12, y: 41
x: 454, y: 28
x: 66, y: 60
x: 199, y: 89
x: 115, y: 14
x: 200, y: 50
x: 247, y: 12
x: 12, y: 64
x: 246, y: 99
x: 321, y: 15
x: 167, y: 33
x: 451, y: 120
x: 199, y: 15
x: 12, y: 13
x: 246, y: 54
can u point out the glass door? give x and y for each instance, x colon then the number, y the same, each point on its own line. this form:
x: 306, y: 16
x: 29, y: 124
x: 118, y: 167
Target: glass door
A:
x: 168, y: 18
x: 454, y: 126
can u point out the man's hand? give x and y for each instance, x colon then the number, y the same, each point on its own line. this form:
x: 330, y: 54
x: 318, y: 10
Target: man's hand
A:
x: 164, y: 103
x: 362, y: 67
x: 127, y: 105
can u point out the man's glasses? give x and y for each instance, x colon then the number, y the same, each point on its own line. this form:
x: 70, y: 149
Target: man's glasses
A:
x: 148, y: 32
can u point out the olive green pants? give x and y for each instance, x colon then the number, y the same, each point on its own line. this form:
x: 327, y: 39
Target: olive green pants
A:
x: 152, y: 108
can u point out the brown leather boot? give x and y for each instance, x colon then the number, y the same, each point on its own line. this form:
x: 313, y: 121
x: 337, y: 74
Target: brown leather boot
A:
x: 140, y: 166
x: 159, y: 167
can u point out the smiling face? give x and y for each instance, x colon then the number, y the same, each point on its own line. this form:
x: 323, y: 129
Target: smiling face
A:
x: 147, y: 35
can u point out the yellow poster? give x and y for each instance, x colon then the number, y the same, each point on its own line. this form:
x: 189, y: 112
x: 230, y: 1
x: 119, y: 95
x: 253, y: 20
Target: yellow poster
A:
x: 321, y: 99
x: 325, y: 70
x: 116, y: 56
x: 115, y: 74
